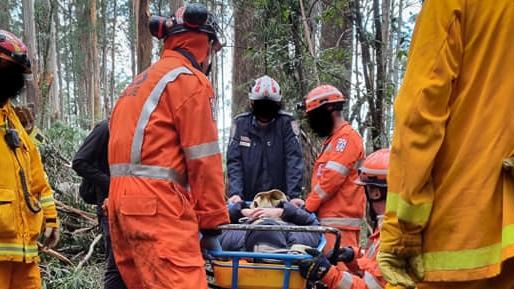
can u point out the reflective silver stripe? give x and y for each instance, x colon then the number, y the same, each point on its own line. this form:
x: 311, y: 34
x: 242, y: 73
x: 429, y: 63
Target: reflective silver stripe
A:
x: 202, y: 151
x: 373, y: 249
x: 341, y: 222
x: 373, y: 171
x: 147, y: 110
x: 152, y: 172
x: 322, y: 194
x: 346, y: 282
x: 371, y: 282
x: 340, y: 168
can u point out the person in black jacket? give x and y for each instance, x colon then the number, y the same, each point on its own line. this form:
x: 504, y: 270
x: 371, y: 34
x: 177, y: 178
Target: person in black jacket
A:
x: 91, y: 163
x: 265, y: 151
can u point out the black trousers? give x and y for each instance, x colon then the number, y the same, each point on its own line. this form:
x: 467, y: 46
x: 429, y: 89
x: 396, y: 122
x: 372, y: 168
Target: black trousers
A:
x: 112, y: 277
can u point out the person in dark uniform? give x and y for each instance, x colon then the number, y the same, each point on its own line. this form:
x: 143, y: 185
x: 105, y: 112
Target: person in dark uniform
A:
x: 265, y: 152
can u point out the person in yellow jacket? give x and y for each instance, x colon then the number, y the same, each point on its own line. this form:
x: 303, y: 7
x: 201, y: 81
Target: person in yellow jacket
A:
x: 26, y: 204
x: 450, y: 207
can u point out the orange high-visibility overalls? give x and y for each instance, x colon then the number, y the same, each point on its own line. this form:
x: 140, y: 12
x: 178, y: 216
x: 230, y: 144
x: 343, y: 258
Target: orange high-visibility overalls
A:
x: 166, y: 174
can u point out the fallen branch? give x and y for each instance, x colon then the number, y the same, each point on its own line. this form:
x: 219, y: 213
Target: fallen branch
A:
x: 88, y: 216
x: 83, y: 230
x: 54, y: 254
x: 89, y: 253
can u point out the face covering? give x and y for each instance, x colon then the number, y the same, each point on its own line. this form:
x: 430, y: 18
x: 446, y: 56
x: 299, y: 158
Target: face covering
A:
x: 321, y: 121
x: 373, y: 196
x: 12, y: 81
x: 207, y: 64
x: 265, y: 110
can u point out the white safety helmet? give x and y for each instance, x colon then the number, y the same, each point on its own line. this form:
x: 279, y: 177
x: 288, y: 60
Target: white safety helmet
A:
x: 265, y: 87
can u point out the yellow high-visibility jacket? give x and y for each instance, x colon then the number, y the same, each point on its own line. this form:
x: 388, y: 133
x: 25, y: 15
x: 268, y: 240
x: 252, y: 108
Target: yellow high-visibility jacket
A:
x: 19, y: 227
x: 454, y: 126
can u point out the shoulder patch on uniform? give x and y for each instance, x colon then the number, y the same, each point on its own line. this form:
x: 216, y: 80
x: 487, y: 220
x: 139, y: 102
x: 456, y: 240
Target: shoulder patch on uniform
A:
x: 296, y: 127
x: 341, y: 144
x: 242, y: 115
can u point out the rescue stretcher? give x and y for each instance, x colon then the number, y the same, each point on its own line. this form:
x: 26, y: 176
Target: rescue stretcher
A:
x: 237, y: 269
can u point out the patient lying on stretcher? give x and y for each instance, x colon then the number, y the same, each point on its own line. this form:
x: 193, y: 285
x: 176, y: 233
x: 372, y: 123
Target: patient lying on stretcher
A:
x: 269, y: 208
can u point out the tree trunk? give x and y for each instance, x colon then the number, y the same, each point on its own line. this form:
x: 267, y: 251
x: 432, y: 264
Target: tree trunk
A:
x: 337, y: 34
x: 54, y: 88
x: 377, y: 116
x: 132, y: 39
x: 103, y: 66
x: 5, y: 14
x: 29, y: 35
x: 244, y: 68
x: 175, y: 4
x: 60, y: 72
x: 113, y: 57
x: 144, y: 38
x: 94, y: 68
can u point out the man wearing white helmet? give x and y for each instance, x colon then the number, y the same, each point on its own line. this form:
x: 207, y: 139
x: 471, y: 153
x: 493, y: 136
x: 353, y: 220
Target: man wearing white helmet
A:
x: 265, y: 151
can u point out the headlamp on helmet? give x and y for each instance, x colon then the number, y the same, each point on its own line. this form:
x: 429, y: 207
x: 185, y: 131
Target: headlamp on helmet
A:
x: 193, y: 17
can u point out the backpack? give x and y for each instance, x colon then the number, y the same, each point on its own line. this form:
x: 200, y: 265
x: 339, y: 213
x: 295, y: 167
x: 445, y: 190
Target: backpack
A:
x: 87, y: 192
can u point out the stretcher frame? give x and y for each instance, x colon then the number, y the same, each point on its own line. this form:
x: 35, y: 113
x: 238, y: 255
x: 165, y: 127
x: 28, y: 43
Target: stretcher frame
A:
x: 287, y: 259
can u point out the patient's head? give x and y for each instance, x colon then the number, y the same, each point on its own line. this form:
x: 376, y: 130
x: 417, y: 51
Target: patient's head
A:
x: 269, y: 199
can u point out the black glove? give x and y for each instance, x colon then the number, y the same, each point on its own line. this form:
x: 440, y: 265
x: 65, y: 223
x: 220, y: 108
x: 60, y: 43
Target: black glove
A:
x: 345, y: 255
x: 316, y: 268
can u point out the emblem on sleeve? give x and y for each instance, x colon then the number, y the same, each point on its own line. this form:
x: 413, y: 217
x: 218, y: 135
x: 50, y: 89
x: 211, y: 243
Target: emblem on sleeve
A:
x: 341, y: 145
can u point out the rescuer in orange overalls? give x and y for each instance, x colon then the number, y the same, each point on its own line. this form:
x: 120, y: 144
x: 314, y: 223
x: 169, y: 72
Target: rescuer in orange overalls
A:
x: 165, y: 163
x: 365, y: 273
x: 335, y: 197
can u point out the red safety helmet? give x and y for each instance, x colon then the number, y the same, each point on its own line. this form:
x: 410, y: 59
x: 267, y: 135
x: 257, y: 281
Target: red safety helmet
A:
x: 374, y: 169
x: 192, y: 17
x: 321, y: 95
x: 12, y: 49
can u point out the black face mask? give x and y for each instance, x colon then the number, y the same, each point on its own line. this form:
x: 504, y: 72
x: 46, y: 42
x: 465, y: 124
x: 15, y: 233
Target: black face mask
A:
x: 321, y: 121
x: 12, y: 82
x: 265, y: 110
x: 372, y: 215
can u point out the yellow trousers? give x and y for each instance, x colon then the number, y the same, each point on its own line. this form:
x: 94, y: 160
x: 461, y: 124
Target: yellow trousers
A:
x: 18, y: 275
x: 503, y: 281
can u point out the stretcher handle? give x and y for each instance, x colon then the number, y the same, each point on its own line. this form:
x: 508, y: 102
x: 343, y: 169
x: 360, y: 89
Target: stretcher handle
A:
x: 289, y: 228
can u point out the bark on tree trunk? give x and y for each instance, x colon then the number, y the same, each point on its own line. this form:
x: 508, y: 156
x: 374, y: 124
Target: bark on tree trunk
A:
x: 244, y: 69
x: 144, y: 38
x: 29, y: 35
x: 103, y: 66
x: 133, y: 38
x: 94, y: 69
x: 5, y: 14
x: 337, y: 33
x: 59, y: 66
x: 54, y: 88
x: 377, y: 117
x: 113, y: 58
x: 175, y: 4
